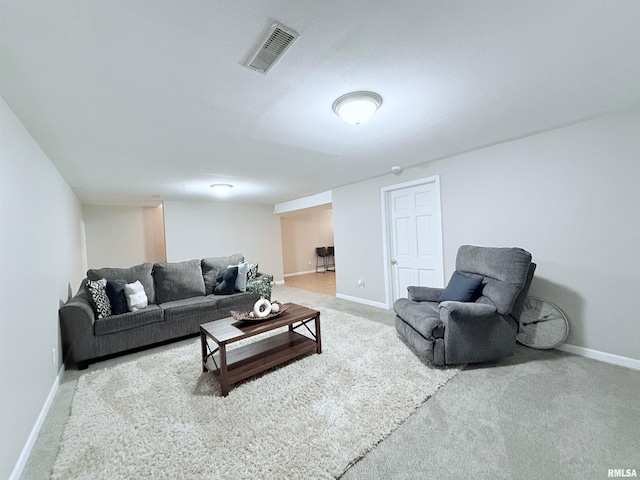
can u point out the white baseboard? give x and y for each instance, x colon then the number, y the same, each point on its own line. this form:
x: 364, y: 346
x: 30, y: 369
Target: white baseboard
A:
x: 364, y: 301
x: 602, y: 356
x: 299, y: 273
x: 279, y: 282
x: 33, y: 436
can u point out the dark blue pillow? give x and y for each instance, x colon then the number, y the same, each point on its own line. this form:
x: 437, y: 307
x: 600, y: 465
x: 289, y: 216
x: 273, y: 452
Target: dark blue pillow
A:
x: 461, y: 288
x: 226, y: 281
x: 117, y: 298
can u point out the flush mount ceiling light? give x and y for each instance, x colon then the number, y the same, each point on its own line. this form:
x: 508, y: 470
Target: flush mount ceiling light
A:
x: 221, y: 188
x: 357, y: 107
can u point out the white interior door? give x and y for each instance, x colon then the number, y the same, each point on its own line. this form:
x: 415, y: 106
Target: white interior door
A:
x: 415, y: 236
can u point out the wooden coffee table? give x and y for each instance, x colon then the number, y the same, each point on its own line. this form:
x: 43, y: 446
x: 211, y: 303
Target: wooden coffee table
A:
x: 243, y: 362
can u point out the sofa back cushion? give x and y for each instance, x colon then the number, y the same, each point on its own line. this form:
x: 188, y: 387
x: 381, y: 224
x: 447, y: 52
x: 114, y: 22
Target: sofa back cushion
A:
x: 140, y: 272
x: 213, y: 265
x: 175, y: 281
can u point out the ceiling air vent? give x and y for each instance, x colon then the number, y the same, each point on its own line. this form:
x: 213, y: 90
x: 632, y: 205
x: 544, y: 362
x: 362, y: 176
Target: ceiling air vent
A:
x: 277, y: 41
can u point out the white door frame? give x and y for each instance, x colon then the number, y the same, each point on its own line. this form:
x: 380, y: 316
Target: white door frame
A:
x: 385, y: 194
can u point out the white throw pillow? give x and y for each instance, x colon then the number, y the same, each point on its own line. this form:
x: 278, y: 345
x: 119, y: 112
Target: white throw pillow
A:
x: 136, y: 298
x: 241, y: 279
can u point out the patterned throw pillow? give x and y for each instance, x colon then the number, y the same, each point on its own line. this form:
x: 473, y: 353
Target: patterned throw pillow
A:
x: 100, y: 298
x: 252, y: 271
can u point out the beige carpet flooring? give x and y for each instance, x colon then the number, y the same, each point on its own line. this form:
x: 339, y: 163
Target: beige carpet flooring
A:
x: 160, y: 416
x: 536, y: 415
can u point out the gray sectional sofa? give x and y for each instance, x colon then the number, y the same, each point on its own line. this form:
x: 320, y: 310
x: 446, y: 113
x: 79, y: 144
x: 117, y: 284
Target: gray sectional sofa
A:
x: 180, y: 298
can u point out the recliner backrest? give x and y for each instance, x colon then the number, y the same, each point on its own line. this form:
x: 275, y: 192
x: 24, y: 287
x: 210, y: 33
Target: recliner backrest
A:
x: 504, y: 272
x: 516, y: 311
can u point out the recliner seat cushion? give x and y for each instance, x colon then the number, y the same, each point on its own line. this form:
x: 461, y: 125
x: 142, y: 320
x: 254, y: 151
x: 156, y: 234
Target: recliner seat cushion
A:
x: 175, y: 281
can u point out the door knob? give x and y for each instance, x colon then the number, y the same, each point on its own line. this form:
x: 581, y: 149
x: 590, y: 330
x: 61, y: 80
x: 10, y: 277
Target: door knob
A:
x: 393, y: 262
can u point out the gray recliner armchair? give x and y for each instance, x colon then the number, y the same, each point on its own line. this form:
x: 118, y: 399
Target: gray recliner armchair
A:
x: 475, y: 318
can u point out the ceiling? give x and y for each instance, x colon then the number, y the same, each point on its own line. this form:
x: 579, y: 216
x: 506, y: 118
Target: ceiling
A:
x: 137, y: 102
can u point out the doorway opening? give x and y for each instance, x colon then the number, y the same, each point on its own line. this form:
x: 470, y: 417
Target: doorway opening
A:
x: 305, y: 234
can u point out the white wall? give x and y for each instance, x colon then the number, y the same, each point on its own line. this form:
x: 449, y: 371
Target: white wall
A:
x: 216, y: 229
x: 301, y: 234
x: 42, y: 259
x: 569, y: 196
x: 123, y: 236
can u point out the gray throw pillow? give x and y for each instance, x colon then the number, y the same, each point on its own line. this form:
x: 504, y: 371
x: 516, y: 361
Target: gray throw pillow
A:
x: 175, y: 281
x: 461, y: 288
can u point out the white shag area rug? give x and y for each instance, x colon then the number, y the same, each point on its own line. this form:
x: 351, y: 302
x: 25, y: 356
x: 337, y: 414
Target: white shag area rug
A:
x: 160, y: 416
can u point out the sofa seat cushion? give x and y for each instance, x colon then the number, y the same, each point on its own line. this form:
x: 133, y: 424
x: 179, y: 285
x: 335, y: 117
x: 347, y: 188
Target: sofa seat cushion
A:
x: 423, y: 317
x: 140, y: 272
x: 126, y: 321
x: 179, y: 280
x: 235, y: 301
x: 186, y: 307
x: 212, y: 265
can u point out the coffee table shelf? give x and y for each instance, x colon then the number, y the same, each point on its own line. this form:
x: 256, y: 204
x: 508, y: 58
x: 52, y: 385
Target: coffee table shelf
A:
x: 236, y: 364
x: 249, y: 360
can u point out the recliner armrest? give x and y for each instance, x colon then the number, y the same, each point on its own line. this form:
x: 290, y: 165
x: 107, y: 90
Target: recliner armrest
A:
x: 424, y: 294
x: 465, y: 311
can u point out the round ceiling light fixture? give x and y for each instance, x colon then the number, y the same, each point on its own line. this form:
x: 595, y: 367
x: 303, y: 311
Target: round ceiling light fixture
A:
x: 357, y: 107
x: 221, y: 188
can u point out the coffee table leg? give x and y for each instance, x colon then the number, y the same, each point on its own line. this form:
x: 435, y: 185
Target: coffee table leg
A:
x: 318, y: 338
x: 203, y: 343
x: 224, y: 381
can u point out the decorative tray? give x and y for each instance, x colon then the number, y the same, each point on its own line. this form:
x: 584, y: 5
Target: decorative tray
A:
x: 245, y: 316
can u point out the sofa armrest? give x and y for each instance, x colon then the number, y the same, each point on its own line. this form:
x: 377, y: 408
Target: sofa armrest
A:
x: 424, y: 294
x: 465, y: 311
x: 76, y: 326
